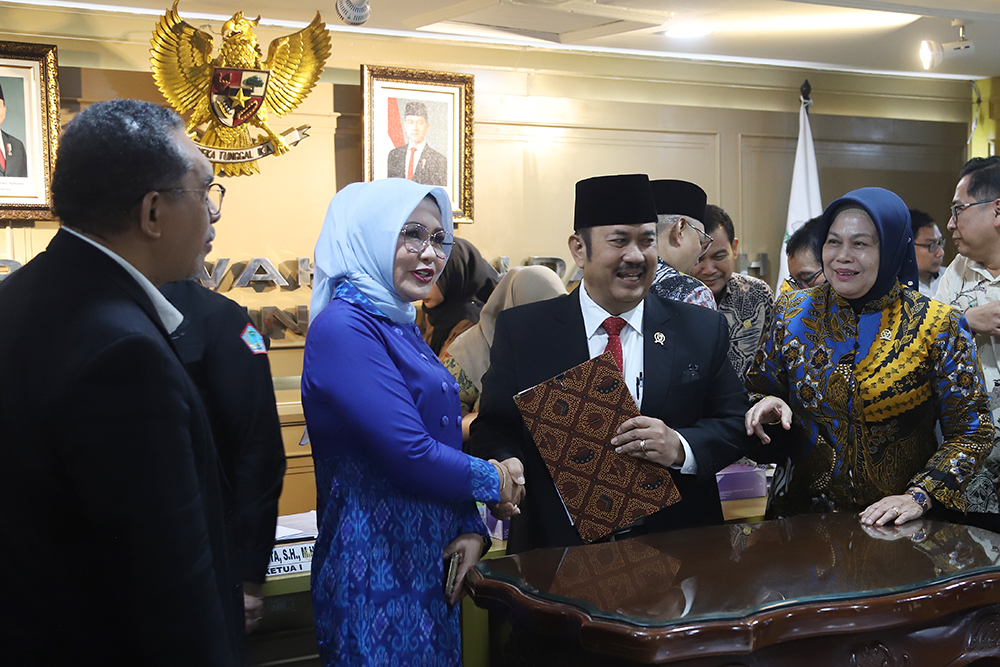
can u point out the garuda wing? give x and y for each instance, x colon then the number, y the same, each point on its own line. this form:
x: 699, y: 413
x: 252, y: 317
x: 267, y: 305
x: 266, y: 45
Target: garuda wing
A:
x: 181, y: 58
x: 295, y: 62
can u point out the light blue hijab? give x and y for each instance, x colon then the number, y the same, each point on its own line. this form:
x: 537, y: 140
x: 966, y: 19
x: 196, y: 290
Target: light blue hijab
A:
x: 358, y: 242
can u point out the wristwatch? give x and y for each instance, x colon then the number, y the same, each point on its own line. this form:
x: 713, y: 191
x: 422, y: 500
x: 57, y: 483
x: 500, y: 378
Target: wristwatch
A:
x: 920, y: 498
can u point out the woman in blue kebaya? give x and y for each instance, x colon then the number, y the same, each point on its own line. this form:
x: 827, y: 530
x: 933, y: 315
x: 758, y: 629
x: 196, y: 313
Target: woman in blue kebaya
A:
x: 395, y: 493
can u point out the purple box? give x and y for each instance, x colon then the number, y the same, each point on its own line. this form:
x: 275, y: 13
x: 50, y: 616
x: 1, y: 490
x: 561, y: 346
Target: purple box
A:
x: 741, y: 481
x: 498, y: 529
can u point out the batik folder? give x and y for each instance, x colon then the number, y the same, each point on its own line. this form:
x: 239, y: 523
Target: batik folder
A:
x: 572, y: 418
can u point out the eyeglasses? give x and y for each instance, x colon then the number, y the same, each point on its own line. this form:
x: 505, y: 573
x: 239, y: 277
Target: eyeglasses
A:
x: 958, y: 208
x: 416, y: 237
x: 704, y: 239
x: 932, y: 246
x: 806, y: 282
x: 214, y: 194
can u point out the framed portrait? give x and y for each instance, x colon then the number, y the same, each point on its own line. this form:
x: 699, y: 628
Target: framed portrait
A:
x: 418, y: 125
x: 29, y: 129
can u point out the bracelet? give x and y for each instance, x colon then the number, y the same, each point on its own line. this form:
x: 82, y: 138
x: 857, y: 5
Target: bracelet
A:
x: 920, y: 498
x: 503, y: 476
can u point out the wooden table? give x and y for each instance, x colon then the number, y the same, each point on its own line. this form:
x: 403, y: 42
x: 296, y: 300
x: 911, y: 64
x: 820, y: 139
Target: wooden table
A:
x: 812, y: 590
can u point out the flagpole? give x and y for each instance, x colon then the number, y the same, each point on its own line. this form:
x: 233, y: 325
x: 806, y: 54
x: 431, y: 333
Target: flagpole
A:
x: 804, y: 200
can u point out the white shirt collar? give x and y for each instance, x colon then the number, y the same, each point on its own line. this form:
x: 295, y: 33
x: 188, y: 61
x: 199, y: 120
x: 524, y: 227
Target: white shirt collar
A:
x: 169, y: 315
x: 594, y: 315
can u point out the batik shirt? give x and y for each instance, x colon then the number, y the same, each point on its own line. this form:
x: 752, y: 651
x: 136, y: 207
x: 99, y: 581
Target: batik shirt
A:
x: 866, y: 392
x: 669, y: 283
x: 967, y: 284
x: 748, y: 304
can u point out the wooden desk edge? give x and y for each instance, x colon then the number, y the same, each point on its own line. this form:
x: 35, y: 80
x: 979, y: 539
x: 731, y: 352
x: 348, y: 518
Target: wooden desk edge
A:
x: 738, y: 636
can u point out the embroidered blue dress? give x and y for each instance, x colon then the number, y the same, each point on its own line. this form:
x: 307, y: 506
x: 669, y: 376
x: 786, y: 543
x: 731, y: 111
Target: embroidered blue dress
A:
x: 393, y: 488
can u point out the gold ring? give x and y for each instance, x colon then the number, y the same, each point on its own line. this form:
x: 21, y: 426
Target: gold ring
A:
x: 896, y: 510
x: 642, y: 446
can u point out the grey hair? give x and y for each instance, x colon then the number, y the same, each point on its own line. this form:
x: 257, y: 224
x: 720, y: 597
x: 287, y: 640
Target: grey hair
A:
x: 664, y: 221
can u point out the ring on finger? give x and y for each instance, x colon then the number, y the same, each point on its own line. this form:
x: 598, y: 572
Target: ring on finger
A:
x: 642, y: 446
x: 896, y: 510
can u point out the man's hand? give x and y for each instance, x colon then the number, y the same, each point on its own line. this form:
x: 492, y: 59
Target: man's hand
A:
x: 650, y: 439
x: 767, y: 411
x: 985, y: 319
x: 514, y: 490
x: 253, y: 605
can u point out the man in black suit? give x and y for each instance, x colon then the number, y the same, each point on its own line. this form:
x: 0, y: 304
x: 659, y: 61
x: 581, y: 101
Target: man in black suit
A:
x: 109, y: 480
x: 674, y: 356
x: 13, y: 160
x: 416, y: 160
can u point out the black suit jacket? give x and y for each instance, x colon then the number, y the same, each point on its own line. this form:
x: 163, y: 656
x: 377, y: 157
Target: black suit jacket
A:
x: 108, y: 477
x: 235, y: 384
x: 535, y: 342
x: 432, y: 169
x: 17, y: 160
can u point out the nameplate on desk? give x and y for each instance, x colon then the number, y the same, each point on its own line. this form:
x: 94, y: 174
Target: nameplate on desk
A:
x: 290, y: 559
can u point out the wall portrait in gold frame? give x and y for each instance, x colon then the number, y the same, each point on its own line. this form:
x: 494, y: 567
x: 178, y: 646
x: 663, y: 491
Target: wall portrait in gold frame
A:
x: 418, y: 125
x: 29, y: 129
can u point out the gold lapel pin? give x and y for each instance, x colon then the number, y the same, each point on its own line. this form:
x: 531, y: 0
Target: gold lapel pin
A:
x: 659, y: 338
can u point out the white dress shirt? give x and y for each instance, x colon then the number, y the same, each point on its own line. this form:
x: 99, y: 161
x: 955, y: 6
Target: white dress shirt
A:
x: 169, y: 316
x: 632, y: 355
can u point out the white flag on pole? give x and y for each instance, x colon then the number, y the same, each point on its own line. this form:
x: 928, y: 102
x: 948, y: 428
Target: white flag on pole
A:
x: 804, y: 201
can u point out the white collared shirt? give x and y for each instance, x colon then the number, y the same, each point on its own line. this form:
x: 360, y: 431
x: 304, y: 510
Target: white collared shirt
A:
x: 169, y: 316
x: 416, y: 156
x: 632, y: 354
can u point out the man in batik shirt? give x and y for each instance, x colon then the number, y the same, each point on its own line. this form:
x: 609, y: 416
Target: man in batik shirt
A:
x: 680, y: 241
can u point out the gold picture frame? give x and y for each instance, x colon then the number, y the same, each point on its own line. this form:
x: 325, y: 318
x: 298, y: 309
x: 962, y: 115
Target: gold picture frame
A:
x: 30, y: 82
x: 444, y: 154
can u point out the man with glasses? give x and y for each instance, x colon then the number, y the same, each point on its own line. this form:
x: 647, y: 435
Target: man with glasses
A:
x: 109, y: 469
x: 672, y: 356
x: 680, y: 241
x: 804, y: 251
x: 929, y: 247
x: 972, y: 284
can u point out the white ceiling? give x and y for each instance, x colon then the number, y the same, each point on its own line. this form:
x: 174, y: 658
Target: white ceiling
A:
x: 860, y: 35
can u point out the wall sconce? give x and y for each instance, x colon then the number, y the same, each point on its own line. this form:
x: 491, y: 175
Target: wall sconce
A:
x: 354, y: 12
x: 932, y: 53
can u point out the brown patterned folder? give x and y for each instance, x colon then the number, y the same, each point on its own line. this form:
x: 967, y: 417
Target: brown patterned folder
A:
x: 572, y: 418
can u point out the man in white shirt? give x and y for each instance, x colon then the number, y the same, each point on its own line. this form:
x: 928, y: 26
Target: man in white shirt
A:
x: 674, y: 361
x: 929, y: 248
x: 109, y: 470
x: 415, y: 160
x: 972, y: 284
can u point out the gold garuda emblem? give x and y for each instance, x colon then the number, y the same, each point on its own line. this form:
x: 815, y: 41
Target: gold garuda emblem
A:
x: 234, y: 92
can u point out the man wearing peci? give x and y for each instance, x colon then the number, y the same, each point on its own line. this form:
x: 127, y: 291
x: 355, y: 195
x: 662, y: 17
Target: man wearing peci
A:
x: 415, y: 160
x: 675, y: 365
x: 108, y: 473
x: 13, y: 159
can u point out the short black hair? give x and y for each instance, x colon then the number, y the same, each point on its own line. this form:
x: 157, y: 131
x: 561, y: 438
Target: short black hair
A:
x: 918, y: 220
x: 109, y: 157
x: 984, y: 177
x: 807, y: 237
x: 584, y: 233
x: 716, y: 217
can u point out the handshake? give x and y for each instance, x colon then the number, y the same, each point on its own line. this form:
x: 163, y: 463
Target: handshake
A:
x: 511, y: 474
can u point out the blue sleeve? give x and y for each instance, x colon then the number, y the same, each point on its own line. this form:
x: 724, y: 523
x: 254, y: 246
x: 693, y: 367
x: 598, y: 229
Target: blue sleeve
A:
x: 356, y: 402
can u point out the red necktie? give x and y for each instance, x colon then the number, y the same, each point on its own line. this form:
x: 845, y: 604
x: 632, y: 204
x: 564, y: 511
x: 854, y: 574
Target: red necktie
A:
x: 409, y: 169
x: 613, y: 326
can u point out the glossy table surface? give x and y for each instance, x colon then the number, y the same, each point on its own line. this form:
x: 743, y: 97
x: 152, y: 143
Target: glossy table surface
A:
x: 740, y: 587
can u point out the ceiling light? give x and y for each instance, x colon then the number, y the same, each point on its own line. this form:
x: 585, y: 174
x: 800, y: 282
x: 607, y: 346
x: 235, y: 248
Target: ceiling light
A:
x: 353, y: 12
x: 688, y: 31
x: 932, y: 53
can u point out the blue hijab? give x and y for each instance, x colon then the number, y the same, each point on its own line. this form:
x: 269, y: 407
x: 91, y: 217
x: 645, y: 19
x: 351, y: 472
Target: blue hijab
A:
x: 358, y: 242
x: 897, y: 260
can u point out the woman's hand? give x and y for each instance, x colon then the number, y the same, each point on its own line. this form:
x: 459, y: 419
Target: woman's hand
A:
x: 511, y: 474
x: 650, y: 439
x: 470, y: 546
x: 768, y: 410
x: 891, y: 509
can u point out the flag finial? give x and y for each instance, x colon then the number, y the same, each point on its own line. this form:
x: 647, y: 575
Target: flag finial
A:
x: 805, y: 89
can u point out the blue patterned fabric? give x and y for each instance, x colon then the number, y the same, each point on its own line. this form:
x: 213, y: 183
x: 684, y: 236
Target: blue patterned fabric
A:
x: 393, y: 488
